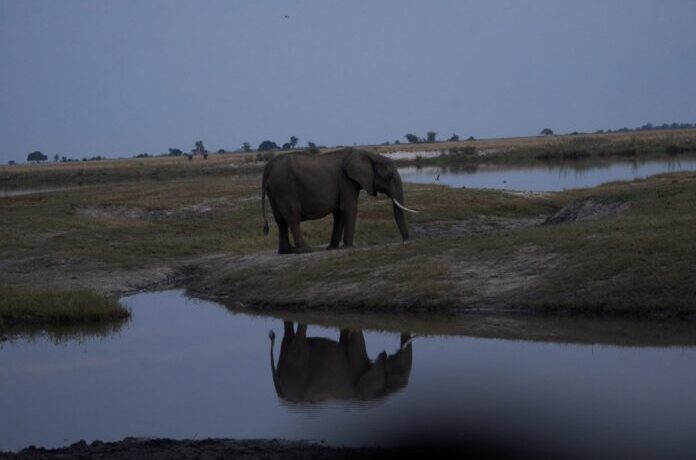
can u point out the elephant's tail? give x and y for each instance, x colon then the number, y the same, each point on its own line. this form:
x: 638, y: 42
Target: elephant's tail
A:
x: 271, y: 335
x: 263, y: 208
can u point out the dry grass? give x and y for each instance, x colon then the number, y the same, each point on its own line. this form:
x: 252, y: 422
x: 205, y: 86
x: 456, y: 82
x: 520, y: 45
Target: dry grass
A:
x: 641, y: 261
x: 473, y: 249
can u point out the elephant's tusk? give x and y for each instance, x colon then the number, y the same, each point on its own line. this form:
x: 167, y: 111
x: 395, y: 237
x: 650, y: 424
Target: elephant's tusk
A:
x: 401, y: 206
x: 408, y: 342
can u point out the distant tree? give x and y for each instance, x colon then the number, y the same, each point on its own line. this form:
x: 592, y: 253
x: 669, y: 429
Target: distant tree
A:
x: 431, y: 136
x: 471, y: 138
x: 221, y: 151
x: 312, y: 147
x: 411, y: 138
x: 175, y: 152
x: 143, y: 155
x: 63, y: 159
x: 396, y: 142
x: 246, y: 147
x: 36, y: 156
x: 293, y: 141
x: 547, y: 132
x: 11, y: 162
x: 454, y: 138
x: 267, y: 145
x: 56, y: 157
x: 199, y: 149
x: 286, y: 146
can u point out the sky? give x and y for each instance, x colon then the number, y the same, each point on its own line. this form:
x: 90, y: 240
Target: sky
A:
x: 119, y: 78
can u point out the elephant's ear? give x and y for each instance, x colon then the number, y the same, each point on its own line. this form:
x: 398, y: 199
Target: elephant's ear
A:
x: 358, y: 167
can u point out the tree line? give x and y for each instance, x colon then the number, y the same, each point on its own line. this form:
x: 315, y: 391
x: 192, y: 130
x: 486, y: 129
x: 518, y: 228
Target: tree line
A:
x: 268, y: 145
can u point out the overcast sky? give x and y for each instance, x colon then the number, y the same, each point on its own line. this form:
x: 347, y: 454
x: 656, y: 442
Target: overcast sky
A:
x: 118, y: 78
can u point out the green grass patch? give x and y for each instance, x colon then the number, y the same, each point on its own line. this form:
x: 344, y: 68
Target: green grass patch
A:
x: 34, y: 306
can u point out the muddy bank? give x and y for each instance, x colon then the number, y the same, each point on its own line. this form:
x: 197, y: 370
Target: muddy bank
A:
x: 138, y: 448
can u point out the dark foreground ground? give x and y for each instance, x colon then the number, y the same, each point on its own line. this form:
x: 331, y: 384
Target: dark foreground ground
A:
x: 136, y: 448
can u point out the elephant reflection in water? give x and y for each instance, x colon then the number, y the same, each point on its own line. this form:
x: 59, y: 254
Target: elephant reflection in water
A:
x: 316, y: 369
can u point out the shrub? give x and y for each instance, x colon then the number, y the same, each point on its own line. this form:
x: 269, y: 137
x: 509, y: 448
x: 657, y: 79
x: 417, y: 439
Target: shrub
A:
x: 36, y: 156
x: 266, y: 146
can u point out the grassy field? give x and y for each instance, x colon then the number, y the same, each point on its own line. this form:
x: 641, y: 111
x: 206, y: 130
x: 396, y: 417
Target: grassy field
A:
x: 143, y: 223
x: 639, y: 259
x: 520, y: 150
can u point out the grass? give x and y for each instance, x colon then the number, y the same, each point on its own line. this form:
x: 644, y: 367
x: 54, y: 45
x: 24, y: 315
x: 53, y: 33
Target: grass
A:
x: 641, y: 261
x: 80, y: 173
x: 558, y: 149
x: 20, y: 305
x: 471, y: 249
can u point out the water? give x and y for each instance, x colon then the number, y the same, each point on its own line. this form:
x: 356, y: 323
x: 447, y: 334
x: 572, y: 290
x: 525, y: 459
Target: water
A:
x: 550, y: 177
x: 192, y: 369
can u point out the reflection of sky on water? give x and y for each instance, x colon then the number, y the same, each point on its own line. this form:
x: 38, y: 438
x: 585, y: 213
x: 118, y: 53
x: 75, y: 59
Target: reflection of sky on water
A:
x: 183, y: 368
x: 545, y: 177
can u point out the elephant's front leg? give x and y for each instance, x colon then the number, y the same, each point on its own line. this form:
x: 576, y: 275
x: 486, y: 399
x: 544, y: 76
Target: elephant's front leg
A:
x: 337, y: 230
x: 349, y: 217
x: 300, y: 245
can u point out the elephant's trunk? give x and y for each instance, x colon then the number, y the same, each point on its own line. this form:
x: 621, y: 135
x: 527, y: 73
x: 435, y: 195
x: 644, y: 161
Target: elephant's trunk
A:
x: 397, y: 196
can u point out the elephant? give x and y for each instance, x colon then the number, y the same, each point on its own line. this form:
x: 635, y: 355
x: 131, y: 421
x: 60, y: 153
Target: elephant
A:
x: 315, y: 369
x: 303, y: 186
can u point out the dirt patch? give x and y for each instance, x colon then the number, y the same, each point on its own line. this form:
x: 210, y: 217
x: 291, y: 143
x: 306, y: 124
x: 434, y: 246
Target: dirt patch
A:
x: 73, y: 273
x: 136, y: 213
x: 583, y: 210
x: 475, y: 225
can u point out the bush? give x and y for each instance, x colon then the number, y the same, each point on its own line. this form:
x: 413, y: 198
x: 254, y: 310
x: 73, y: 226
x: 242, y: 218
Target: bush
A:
x: 267, y: 145
x: 411, y: 138
x: 36, y: 156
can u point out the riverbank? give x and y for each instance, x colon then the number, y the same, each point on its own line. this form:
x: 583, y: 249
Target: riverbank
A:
x: 135, y: 448
x: 622, y: 248
x: 139, y: 448
x: 519, y: 151
x: 22, y: 306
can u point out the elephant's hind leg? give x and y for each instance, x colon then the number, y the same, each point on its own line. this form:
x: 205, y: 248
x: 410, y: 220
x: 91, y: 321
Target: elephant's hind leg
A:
x: 300, y: 245
x: 284, y: 246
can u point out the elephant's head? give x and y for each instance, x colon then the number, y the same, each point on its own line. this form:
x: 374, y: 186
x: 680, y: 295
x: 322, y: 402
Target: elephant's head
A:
x: 378, y: 174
